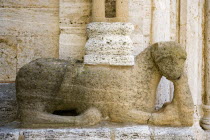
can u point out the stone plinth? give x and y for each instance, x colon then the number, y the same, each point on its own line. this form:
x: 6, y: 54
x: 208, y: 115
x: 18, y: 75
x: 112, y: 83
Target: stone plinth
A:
x: 102, y: 132
x: 109, y: 44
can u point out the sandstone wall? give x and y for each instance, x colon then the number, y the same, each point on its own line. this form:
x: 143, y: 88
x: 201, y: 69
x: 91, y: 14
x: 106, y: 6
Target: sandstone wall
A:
x: 28, y: 30
x: 73, y: 17
x: 56, y: 28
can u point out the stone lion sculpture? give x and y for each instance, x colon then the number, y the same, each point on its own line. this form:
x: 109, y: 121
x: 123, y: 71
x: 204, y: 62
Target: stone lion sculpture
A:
x: 58, y: 93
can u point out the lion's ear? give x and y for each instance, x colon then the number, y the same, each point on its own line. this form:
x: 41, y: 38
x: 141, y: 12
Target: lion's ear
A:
x: 154, y: 51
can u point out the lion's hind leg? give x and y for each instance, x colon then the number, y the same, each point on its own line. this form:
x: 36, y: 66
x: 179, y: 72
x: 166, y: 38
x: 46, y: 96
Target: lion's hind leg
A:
x: 38, y: 119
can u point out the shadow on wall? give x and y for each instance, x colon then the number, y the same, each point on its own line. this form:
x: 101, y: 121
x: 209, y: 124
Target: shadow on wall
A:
x: 8, y: 104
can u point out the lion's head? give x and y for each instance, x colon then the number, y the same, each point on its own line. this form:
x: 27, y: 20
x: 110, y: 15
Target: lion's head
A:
x: 169, y: 58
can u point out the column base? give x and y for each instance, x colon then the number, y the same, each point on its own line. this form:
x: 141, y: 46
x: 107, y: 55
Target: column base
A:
x: 205, y: 121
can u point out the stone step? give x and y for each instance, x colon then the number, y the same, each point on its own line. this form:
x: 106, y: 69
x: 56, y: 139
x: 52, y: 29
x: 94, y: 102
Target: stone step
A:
x: 104, y: 131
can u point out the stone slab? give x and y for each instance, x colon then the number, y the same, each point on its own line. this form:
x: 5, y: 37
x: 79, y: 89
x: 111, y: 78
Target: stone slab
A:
x: 29, y: 3
x: 142, y: 22
x: 118, y: 60
x: 72, y: 12
x: 71, y: 46
x: 31, y: 48
x: 103, y: 131
x: 73, y: 17
x: 29, y: 21
x: 109, y: 44
x: 8, y: 58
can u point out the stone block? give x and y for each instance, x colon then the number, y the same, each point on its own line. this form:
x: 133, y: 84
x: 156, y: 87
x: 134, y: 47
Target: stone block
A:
x: 32, y: 29
x: 72, y: 12
x: 64, y: 134
x: 109, y: 44
x: 142, y: 23
x: 117, y: 60
x: 8, y: 58
x: 133, y: 133
x: 29, y: 3
x: 9, y: 135
x: 71, y: 52
x: 74, y: 15
x: 71, y: 46
x: 29, y: 21
x: 31, y: 48
x: 73, y: 30
x: 107, y: 132
x: 160, y: 133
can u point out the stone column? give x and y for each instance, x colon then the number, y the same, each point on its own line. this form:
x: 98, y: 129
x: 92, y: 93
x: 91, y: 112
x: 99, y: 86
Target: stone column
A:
x: 109, y: 43
x: 122, y: 10
x: 73, y: 28
x: 98, y: 13
x: 192, y: 39
x: 161, y: 31
x: 207, y: 51
x: 205, y: 121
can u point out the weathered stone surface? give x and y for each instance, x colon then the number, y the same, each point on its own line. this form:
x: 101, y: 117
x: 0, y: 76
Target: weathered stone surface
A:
x: 109, y: 44
x: 192, y: 38
x: 29, y: 4
x: 108, y: 132
x: 29, y: 21
x: 207, y: 55
x: 115, y: 60
x: 33, y: 47
x: 74, y: 15
x: 71, y: 46
x: 8, y: 104
x: 8, y: 58
x: 133, y: 133
x: 110, y: 8
x: 205, y: 121
x: 186, y: 20
x: 95, y: 93
x: 142, y: 22
x: 73, y: 18
x: 25, y: 25
x: 101, y: 13
x: 162, y: 31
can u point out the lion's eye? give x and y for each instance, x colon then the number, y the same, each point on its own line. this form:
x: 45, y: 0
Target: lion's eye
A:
x: 163, y: 58
x: 182, y: 58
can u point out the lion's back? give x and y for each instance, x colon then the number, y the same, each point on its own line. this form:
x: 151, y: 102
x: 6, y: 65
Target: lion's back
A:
x: 40, y: 80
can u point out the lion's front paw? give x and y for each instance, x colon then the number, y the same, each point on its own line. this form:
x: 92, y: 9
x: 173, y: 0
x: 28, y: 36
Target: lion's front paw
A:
x: 167, y: 116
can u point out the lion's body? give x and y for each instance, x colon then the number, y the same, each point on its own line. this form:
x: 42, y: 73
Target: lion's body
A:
x: 122, y: 94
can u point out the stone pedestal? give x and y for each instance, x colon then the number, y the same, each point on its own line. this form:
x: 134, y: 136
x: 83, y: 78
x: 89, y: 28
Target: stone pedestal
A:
x: 109, y: 44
